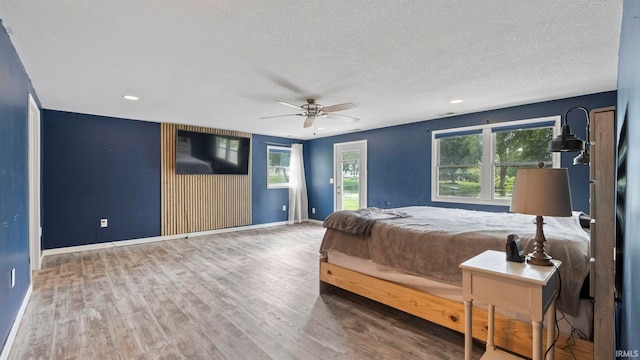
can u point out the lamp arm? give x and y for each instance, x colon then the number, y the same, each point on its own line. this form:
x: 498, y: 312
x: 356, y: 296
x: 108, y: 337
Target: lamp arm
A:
x: 586, y: 112
x: 588, y: 142
x: 566, y: 120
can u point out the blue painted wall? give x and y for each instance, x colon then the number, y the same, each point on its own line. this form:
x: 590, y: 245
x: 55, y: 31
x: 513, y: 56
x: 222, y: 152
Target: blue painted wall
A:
x: 14, y: 183
x: 629, y: 100
x: 267, y: 203
x: 99, y: 167
x: 399, y: 157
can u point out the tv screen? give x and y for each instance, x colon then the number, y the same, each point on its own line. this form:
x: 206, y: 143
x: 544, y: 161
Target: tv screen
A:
x: 203, y: 153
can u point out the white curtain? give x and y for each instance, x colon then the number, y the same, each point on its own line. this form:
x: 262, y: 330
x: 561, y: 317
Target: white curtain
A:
x: 298, y: 202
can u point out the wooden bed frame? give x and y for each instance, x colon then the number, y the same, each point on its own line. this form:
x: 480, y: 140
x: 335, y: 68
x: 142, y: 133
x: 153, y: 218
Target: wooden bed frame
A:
x: 510, y: 334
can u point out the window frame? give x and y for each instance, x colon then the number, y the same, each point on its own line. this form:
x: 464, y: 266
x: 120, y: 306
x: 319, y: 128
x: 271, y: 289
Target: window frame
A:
x: 487, y: 164
x: 280, y: 149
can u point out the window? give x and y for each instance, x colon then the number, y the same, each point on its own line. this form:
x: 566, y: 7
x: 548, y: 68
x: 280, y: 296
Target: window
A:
x: 278, y: 166
x: 459, y: 165
x: 478, y: 164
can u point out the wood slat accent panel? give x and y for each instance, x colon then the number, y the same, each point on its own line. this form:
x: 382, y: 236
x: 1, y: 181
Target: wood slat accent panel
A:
x: 193, y: 203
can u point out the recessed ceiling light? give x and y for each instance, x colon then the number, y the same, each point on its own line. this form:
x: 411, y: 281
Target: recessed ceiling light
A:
x: 320, y: 128
x: 130, y: 97
x: 457, y: 101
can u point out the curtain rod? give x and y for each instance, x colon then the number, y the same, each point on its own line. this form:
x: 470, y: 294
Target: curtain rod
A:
x: 277, y: 144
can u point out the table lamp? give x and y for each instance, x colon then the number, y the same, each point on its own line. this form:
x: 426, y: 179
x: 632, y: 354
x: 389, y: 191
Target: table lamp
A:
x: 541, y: 192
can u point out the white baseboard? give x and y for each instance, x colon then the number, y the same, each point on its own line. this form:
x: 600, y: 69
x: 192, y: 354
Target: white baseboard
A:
x: 4, y: 355
x: 72, y: 249
x: 314, y: 221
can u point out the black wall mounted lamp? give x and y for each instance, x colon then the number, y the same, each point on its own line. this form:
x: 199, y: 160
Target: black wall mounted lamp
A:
x: 567, y: 142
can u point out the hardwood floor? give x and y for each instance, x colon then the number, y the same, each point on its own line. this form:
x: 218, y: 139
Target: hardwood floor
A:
x: 241, y: 295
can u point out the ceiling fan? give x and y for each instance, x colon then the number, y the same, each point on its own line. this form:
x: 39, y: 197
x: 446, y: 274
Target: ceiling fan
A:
x: 312, y: 110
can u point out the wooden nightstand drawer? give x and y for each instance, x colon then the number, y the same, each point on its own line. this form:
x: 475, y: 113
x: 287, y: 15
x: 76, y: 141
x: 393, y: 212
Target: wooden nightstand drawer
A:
x: 500, y: 292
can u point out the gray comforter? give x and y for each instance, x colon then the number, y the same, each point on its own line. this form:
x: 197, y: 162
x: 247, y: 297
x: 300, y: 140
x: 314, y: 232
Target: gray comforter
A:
x: 432, y: 242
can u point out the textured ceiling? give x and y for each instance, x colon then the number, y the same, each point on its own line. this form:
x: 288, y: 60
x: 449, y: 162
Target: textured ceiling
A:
x: 224, y: 63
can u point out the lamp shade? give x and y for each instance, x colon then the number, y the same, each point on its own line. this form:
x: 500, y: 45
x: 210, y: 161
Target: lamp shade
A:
x: 566, y: 142
x: 583, y: 158
x: 541, y: 191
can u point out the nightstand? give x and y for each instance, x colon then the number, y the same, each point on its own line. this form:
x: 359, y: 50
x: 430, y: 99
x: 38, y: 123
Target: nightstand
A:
x: 520, y: 287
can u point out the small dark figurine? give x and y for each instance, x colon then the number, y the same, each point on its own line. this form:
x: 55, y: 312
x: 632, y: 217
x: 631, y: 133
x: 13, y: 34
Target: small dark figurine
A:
x: 514, y: 249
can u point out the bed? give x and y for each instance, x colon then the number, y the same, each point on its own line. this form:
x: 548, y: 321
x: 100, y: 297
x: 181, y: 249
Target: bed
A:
x: 408, y: 258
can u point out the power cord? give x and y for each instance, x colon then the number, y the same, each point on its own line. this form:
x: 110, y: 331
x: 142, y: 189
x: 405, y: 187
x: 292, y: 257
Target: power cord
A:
x: 574, y: 331
x: 557, y: 326
x: 572, y: 336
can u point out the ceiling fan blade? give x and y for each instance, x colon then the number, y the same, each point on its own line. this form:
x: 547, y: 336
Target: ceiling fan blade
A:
x: 276, y: 116
x: 288, y: 104
x: 308, y: 122
x: 344, y: 117
x: 281, y: 81
x: 339, y: 107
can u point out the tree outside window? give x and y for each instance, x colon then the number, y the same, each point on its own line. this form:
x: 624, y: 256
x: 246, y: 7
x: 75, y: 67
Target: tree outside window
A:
x: 459, y: 169
x: 519, y: 149
x: 478, y: 164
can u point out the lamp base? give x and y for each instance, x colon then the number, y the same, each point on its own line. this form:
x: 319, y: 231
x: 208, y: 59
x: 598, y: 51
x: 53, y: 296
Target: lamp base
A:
x: 538, y: 256
x: 539, y: 259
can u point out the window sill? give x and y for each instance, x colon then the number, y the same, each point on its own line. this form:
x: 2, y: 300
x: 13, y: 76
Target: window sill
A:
x: 471, y: 201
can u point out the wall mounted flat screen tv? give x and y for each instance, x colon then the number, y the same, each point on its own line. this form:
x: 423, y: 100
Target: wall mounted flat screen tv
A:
x: 203, y: 153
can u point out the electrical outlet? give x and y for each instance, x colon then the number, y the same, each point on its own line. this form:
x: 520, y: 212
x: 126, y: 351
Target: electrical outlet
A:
x: 104, y: 223
x: 313, y: 210
x: 284, y: 207
x: 13, y: 277
x: 330, y: 180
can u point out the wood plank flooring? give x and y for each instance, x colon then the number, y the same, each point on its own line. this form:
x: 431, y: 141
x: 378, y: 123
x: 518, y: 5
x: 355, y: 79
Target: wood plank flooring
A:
x: 242, y: 295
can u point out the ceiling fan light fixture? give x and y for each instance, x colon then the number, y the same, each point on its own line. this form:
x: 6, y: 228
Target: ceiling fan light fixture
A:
x: 312, y: 110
